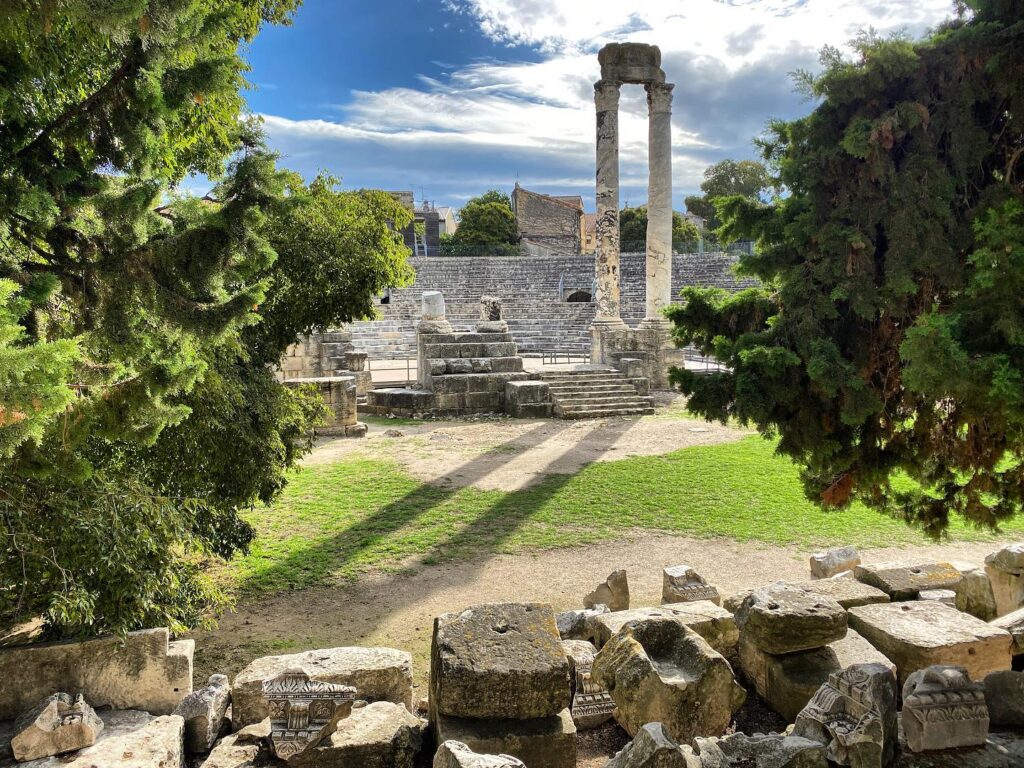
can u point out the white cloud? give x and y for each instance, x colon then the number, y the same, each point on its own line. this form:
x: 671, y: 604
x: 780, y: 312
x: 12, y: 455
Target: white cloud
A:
x: 728, y: 58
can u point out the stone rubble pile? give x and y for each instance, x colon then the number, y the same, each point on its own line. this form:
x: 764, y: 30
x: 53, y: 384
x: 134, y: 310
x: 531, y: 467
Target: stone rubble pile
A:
x: 870, y: 666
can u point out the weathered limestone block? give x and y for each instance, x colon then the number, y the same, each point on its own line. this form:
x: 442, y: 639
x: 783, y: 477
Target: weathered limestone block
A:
x: 455, y: 754
x: 716, y: 625
x: 490, y: 308
x: 760, y: 751
x: 915, y: 635
x: 787, y: 682
x: 831, y: 562
x: 143, y: 670
x: 379, y: 735
x: 503, y: 660
x: 59, y: 723
x: 377, y: 674
x: 903, y: 581
x: 653, y: 747
x: 999, y: 751
x: 432, y: 305
x: 543, y: 742
x: 682, y: 584
x: 854, y: 716
x: 130, y: 739
x: 781, y: 618
x: 631, y: 63
x: 304, y: 712
x: 591, y: 704
x: 944, y: 596
x: 849, y: 593
x: 613, y: 592
x: 658, y: 670
x: 573, y: 625
x: 237, y: 751
x: 203, y: 712
x: 527, y: 399
x: 1004, y: 696
x: 1014, y: 624
x: 1005, y: 569
x: 974, y: 592
x: 943, y: 709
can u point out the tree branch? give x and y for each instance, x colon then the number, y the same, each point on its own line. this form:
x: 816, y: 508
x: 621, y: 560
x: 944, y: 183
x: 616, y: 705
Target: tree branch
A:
x: 74, y: 112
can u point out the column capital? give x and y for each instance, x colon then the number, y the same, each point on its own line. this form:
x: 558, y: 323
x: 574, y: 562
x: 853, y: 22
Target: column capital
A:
x: 659, y: 97
x: 606, y: 95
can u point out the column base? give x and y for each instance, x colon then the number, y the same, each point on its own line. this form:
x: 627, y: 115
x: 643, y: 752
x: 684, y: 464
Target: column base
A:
x: 603, y: 333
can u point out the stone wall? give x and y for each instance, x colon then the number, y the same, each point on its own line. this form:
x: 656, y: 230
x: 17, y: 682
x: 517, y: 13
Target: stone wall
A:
x: 534, y: 290
x: 547, y: 224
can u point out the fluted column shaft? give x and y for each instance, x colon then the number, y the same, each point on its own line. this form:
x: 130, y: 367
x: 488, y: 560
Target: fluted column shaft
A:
x: 659, y: 201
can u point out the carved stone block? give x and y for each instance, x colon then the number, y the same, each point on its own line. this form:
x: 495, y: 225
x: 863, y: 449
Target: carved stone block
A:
x: 592, y: 705
x: 303, y: 711
x: 682, y: 584
x: 943, y: 709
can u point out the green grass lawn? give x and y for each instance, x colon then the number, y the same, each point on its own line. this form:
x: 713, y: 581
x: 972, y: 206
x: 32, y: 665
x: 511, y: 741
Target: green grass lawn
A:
x: 337, y: 520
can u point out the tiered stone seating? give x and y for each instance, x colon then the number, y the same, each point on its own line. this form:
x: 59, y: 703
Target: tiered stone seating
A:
x: 539, y: 318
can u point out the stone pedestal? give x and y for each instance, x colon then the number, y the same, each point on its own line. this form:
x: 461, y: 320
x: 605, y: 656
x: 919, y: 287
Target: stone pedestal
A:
x: 339, y: 394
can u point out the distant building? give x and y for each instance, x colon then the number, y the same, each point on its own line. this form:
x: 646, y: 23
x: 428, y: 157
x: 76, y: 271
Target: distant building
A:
x: 447, y: 223
x: 549, y: 224
x: 423, y: 236
x: 590, y: 233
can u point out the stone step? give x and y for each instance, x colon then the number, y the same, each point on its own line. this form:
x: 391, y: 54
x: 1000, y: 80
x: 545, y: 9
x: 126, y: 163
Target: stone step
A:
x: 569, y: 403
x: 598, y: 413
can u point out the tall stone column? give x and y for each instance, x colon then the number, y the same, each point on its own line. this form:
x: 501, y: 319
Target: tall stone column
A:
x: 608, y: 319
x: 659, y: 202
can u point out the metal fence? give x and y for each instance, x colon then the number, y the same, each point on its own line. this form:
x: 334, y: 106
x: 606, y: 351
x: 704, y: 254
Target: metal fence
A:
x: 396, y: 372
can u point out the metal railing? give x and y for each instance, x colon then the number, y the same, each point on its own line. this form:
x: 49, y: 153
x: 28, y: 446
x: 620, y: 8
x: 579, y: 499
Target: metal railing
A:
x: 396, y: 372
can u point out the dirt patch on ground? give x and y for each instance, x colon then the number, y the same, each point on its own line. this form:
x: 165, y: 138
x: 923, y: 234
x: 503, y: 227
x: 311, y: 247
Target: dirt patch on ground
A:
x: 510, y: 454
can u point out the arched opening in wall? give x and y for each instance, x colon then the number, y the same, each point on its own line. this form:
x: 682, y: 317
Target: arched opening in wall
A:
x: 579, y: 297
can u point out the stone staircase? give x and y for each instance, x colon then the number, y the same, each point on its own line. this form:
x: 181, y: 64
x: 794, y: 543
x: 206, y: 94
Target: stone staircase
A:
x: 594, y: 392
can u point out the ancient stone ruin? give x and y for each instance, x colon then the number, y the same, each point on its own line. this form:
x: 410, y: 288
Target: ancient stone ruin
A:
x: 865, y: 677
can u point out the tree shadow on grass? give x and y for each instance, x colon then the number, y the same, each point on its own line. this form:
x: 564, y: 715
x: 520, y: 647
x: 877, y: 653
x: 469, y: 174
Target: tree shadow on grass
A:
x: 307, y: 565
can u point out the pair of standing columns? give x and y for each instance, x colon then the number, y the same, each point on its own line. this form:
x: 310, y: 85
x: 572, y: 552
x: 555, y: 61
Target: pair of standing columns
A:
x: 659, y: 203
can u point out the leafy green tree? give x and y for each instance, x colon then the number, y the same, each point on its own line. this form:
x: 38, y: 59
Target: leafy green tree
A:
x: 886, y: 348
x: 139, y: 412
x: 633, y: 230
x: 487, y: 220
x: 747, y: 178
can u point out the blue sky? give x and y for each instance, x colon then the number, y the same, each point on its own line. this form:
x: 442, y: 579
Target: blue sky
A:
x: 453, y: 97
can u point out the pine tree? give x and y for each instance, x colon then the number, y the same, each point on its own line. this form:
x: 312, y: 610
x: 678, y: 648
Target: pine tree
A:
x: 886, y: 346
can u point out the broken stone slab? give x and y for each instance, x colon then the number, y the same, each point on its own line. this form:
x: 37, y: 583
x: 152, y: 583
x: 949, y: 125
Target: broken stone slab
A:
x: 1014, y: 624
x: 831, y: 562
x: 943, y: 709
x: 760, y: 751
x: 903, y: 581
x: 682, y: 584
x: 854, y: 716
x: 377, y: 674
x: 1005, y: 570
x: 659, y: 670
x: 203, y: 712
x: 231, y: 752
x: 915, y: 635
x: 455, y: 754
x: 130, y: 739
x: 304, y: 712
x: 1009, y: 559
x: 788, y: 682
x: 715, y: 624
x: 591, y: 706
x: 781, y: 618
x: 503, y: 660
x: 544, y: 742
x: 1004, y: 695
x: 849, y: 593
x: 142, y: 670
x: 944, y: 596
x: 653, y: 747
x: 974, y: 592
x: 572, y: 625
x: 60, y: 723
x: 613, y: 592
x: 379, y: 735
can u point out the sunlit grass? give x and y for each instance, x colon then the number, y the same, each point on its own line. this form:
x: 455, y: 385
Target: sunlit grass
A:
x: 337, y: 520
